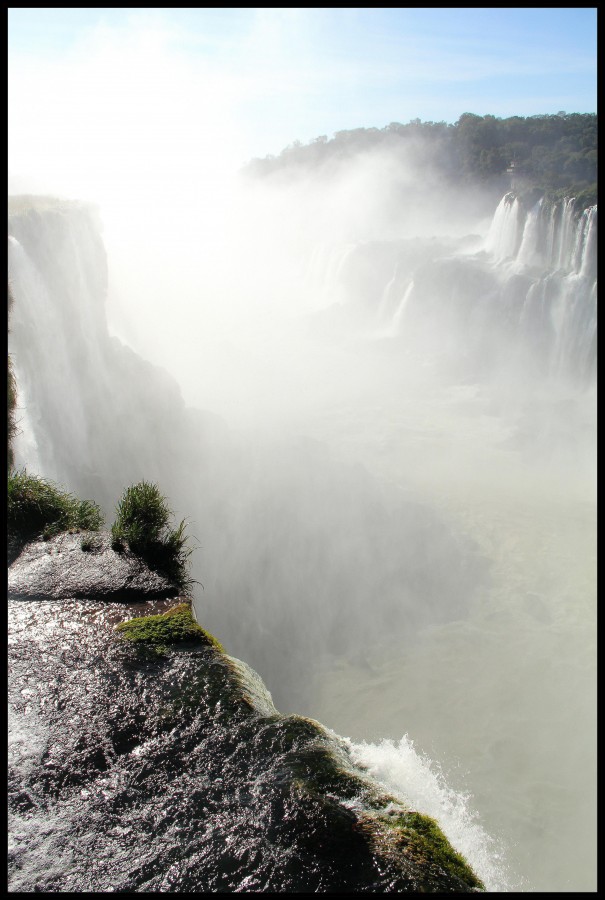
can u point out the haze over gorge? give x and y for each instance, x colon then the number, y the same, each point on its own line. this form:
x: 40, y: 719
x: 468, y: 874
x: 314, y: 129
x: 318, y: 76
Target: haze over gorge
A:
x: 365, y: 373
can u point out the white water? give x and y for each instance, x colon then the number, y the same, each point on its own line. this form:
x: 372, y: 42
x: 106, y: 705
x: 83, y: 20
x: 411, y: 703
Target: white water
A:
x: 498, y: 695
x: 511, y: 687
x: 504, y: 233
x: 421, y: 785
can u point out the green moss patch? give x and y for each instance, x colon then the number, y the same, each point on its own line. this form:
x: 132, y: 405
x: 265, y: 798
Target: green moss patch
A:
x: 175, y: 626
x: 420, y: 837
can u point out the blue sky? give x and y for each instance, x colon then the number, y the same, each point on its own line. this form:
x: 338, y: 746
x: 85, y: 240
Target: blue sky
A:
x: 127, y: 83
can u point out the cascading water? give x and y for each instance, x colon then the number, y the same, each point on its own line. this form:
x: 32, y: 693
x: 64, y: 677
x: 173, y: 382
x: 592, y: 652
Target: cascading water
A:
x: 423, y: 563
x: 324, y: 269
x: 516, y: 324
x: 539, y: 271
x: 505, y: 233
x: 399, y: 312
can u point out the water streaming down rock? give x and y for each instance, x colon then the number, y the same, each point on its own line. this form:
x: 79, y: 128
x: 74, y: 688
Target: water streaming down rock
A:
x: 300, y: 544
x: 78, y: 412
x: 131, y: 770
x: 324, y: 269
x: 527, y: 299
x: 400, y: 311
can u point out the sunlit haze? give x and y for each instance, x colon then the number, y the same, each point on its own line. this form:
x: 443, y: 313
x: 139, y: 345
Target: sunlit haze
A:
x: 150, y: 113
x: 101, y: 100
x: 364, y: 370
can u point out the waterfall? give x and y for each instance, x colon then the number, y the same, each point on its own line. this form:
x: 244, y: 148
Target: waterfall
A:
x: 398, y: 767
x: 586, y: 245
x: 399, y: 312
x: 527, y: 300
x: 529, y: 251
x: 85, y: 400
x: 384, y: 308
x: 566, y: 230
x: 415, y: 553
x: 505, y: 232
x: 46, y: 339
x: 524, y: 302
x: 561, y: 227
x: 323, y: 272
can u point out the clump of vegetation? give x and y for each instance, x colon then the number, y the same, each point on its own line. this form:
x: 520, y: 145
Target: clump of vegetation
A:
x: 37, y: 507
x: 142, y: 523
x: 174, y: 626
x: 141, y: 515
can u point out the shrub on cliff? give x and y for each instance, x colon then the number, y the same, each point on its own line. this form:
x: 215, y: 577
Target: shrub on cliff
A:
x: 37, y: 507
x: 142, y: 517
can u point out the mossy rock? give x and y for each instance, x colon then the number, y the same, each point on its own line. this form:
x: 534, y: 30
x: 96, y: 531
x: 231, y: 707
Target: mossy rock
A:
x: 419, y: 838
x: 175, y: 626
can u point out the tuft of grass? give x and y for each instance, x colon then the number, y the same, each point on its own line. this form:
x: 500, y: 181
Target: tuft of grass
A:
x: 142, y: 515
x: 38, y: 507
x: 174, y: 626
x: 142, y: 523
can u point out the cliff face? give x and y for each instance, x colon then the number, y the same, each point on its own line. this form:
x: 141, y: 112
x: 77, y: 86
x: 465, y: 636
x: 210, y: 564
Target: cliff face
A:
x: 95, y: 412
x: 138, y: 769
x: 522, y: 300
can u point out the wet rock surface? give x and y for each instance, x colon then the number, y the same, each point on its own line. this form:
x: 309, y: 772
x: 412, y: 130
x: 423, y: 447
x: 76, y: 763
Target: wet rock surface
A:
x: 133, y: 771
x: 60, y: 568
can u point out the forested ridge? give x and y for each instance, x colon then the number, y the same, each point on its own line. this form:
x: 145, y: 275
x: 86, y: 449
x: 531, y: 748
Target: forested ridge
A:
x: 556, y: 154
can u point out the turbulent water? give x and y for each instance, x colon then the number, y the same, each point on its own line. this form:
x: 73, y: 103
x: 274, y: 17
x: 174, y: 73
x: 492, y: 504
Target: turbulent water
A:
x: 410, y: 556
x: 130, y: 771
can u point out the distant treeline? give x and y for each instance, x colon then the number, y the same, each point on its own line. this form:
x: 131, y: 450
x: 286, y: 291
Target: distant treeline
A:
x: 556, y: 154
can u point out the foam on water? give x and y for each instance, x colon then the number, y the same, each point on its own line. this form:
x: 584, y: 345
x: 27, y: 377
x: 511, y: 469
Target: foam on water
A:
x: 421, y: 784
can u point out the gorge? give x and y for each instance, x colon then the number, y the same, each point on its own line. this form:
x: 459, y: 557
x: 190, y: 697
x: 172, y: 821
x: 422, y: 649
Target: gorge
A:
x: 385, y: 447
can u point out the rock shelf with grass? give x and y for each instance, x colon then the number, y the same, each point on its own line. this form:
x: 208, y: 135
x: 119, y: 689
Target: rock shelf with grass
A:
x: 38, y: 508
x: 168, y: 753
x: 56, y: 547
x: 142, y: 523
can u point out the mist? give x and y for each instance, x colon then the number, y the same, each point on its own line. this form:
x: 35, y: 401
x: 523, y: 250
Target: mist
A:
x: 393, y: 491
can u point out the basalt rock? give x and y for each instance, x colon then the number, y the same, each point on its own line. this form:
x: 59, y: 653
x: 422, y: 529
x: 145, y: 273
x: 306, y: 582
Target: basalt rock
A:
x: 132, y: 770
x: 83, y: 565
